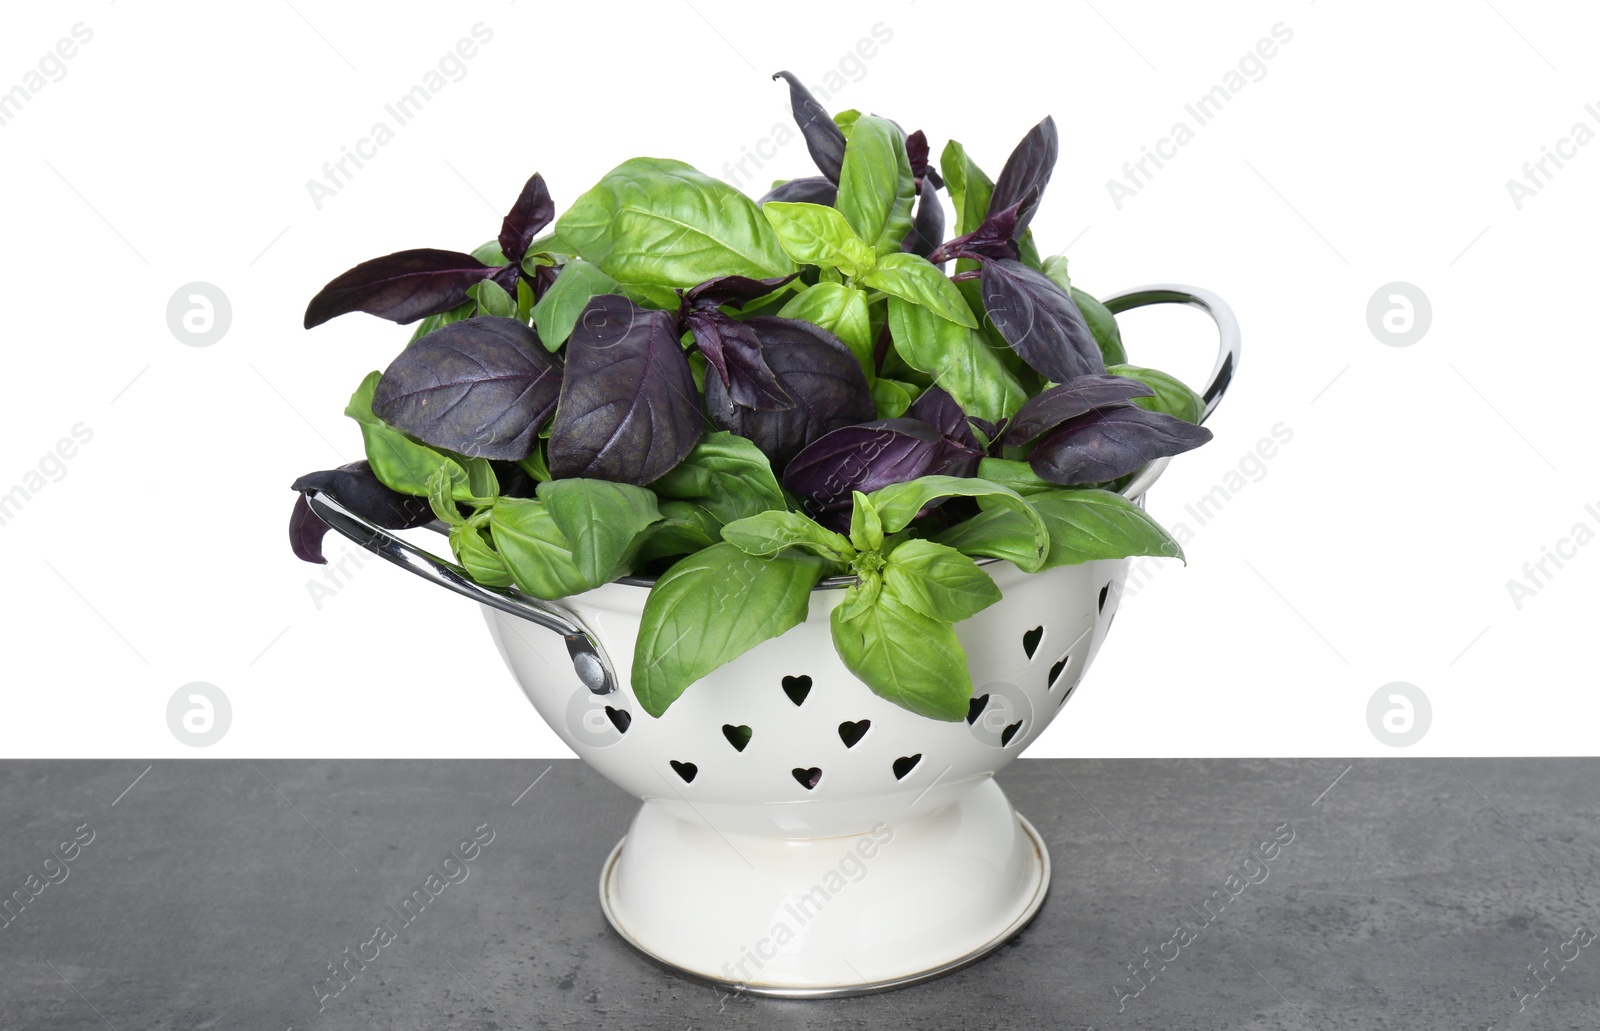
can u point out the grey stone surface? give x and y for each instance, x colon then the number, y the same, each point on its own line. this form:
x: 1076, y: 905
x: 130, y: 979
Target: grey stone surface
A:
x: 1414, y: 894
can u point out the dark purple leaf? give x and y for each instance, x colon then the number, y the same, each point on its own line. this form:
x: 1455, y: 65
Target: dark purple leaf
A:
x: 811, y: 189
x: 734, y: 353
x: 629, y: 409
x: 823, y: 138
x: 732, y: 290
x: 863, y: 457
x: 927, y: 227
x: 402, y: 287
x: 355, y: 487
x: 482, y: 387
x: 1028, y: 168
x: 938, y: 409
x: 917, y: 153
x: 1111, y: 442
x: 1040, y: 321
x: 993, y: 240
x: 543, y: 278
x: 506, y: 277
x: 815, y: 370
x: 1068, y: 401
x: 532, y: 212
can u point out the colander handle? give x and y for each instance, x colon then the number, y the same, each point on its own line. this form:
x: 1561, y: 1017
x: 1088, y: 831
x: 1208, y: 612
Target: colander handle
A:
x: 589, y: 659
x: 1212, y: 305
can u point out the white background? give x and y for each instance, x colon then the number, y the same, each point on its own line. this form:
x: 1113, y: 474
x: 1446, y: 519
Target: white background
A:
x: 1375, y: 547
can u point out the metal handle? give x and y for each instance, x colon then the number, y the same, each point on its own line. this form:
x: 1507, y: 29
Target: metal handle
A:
x: 1212, y: 305
x: 589, y: 660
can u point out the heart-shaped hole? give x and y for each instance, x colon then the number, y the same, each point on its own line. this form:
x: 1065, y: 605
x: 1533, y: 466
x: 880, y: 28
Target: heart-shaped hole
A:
x: 1056, y: 670
x: 1031, y: 639
x: 808, y: 778
x: 738, y: 736
x: 850, y: 733
x: 1104, y: 591
x: 1010, y: 732
x: 797, y: 688
x: 685, y: 770
x: 905, y: 764
x: 975, y: 708
x: 620, y: 718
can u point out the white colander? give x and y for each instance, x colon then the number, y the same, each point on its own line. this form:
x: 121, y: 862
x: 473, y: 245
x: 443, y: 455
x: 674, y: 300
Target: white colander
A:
x: 799, y: 835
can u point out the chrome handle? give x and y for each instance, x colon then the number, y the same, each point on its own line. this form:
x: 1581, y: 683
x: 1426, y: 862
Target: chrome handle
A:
x: 1212, y: 305
x: 589, y: 660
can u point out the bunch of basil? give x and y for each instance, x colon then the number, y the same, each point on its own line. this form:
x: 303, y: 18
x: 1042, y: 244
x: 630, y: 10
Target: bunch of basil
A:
x: 742, y: 397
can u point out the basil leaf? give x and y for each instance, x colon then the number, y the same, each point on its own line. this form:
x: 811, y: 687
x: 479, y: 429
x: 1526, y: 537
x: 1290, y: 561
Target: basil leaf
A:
x: 399, y: 462
x: 401, y: 287
x: 822, y: 136
x: 478, y: 557
x: 969, y: 188
x: 960, y: 359
x: 1171, y: 395
x: 629, y: 410
x: 892, y: 397
x: 685, y: 528
x: 1019, y: 476
x: 657, y: 222
x: 1111, y: 442
x: 1084, y: 525
x: 839, y: 309
x: 861, y: 457
x: 815, y: 235
x: 733, y: 349
x: 938, y: 581
x: 557, y: 311
x: 1040, y: 322
x: 866, y: 528
x: 915, y: 279
x: 1102, y: 324
x: 536, y: 552
x: 927, y: 225
x: 727, y: 475
x: 482, y: 387
x: 1027, y: 169
x: 492, y: 299
x: 910, y: 659
x: 440, y: 498
x: 875, y: 183
x: 355, y: 487
x: 900, y: 503
x: 532, y: 212
x: 599, y: 519
x: 711, y: 607
x: 811, y: 189
x: 768, y: 533
x: 1075, y: 397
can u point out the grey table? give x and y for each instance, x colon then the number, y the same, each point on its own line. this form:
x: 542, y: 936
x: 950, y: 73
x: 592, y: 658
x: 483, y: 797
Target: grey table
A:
x: 1414, y: 894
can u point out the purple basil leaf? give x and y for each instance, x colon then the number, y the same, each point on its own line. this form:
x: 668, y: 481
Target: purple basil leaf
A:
x: 532, y: 212
x: 543, y: 278
x: 1028, y: 168
x: 1111, y: 442
x: 505, y: 278
x: 815, y: 370
x: 863, y: 457
x: 402, y: 287
x: 811, y: 189
x: 1040, y: 321
x: 732, y: 290
x: 734, y: 353
x: 824, y: 139
x: 917, y: 152
x: 927, y: 227
x: 938, y: 409
x: 482, y: 387
x: 629, y: 409
x: 993, y: 240
x: 355, y: 487
x: 1068, y: 401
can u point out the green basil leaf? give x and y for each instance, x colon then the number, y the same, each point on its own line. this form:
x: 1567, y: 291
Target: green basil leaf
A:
x: 968, y: 186
x: 1103, y: 325
x: 558, y: 310
x: 727, y: 475
x: 892, y: 397
x: 960, y: 359
x: 684, y: 529
x: 478, y: 557
x: 768, y: 533
x: 536, y: 552
x: 812, y: 234
x: 711, y: 607
x: 1084, y: 525
x: 898, y: 504
x: 482, y: 483
x: 913, y: 660
x: 1019, y: 476
x: 399, y: 462
x: 866, y: 527
x: 839, y: 309
x: 440, y: 498
x: 492, y: 299
x: 599, y: 519
x: 914, y: 278
x: 660, y: 223
x: 875, y: 183
x: 846, y: 120
x: 1172, y: 395
x: 536, y: 464
x: 938, y: 581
